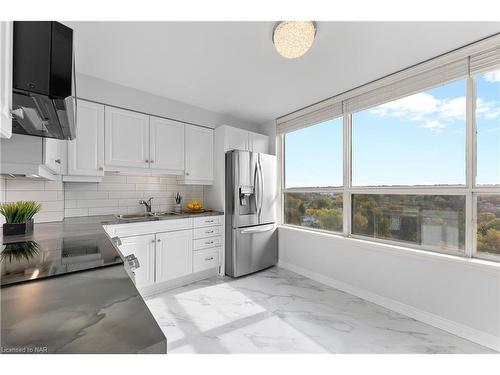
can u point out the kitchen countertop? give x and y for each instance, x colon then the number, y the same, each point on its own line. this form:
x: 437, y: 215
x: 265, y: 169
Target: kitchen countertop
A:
x: 74, y: 295
x: 115, y: 220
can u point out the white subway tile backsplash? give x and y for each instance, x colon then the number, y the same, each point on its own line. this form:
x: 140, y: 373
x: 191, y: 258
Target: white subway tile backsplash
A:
x: 71, y: 212
x: 117, y: 194
x: 85, y: 195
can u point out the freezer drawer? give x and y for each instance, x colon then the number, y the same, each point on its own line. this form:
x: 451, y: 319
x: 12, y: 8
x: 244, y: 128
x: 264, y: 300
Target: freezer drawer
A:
x: 252, y: 249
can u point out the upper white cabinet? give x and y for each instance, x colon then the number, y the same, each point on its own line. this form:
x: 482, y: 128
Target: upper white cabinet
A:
x: 174, y: 254
x: 32, y: 156
x: 86, y: 151
x: 166, y: 140
x: 6, y: 33
x: 143, y: 247
x: 258, y: 142
x: 126, y: 139
x: 52, y: 153
x: 235, y: 138
x: 199, y: 150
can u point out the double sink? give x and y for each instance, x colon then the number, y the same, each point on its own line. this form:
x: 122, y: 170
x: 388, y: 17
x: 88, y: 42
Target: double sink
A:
x: 148, y: 215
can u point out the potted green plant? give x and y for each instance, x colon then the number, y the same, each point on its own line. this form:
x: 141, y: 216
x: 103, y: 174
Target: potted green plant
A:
x: 19, y: 217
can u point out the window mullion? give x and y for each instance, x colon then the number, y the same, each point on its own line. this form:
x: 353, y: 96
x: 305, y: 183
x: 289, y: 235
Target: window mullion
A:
x: 347, y: 175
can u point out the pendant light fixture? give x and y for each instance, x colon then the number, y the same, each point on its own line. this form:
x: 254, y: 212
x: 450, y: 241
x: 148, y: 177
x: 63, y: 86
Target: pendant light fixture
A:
x: 293, y: 39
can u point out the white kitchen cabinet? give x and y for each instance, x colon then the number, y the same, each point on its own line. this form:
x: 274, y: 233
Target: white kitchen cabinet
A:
x: 52, y: 153
x: 235, y: 139
x: 199, y: 150
x: 258, y: 142
x: 126, y: 139
x: 6, y: 43
x: 174, y: 255
x: 86, y: 151
x: 143, y: 247
x: 166, y: 145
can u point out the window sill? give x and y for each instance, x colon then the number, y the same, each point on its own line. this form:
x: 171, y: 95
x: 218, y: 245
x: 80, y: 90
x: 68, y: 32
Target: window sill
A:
x: 484, y: 265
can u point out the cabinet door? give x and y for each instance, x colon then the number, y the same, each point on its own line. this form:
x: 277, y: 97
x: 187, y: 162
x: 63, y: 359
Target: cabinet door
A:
x: 174, y: 254
x: 199, y: 148
x: 166, y: 145
x: 6, y: 48
x: 86, y: 151
x: 126, y: 138
x: 258, y: 142
x: 235, y: 139
x: 52, y: 153
x: 143, y: 247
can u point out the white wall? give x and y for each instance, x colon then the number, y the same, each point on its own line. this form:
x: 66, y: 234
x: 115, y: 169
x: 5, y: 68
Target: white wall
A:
x: 454, y: 294
x: 106, y: 92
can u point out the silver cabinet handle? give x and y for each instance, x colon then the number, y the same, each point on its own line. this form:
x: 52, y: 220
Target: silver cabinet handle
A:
x: 153, y: 241
x: 158, y: 240
x: 209, y: 221
x: 209, y: 231
x: 209, y: 242
x: 58, y: 161
x: 211, y: 258
x: 151, y: 161
x: 147, y: 161
x: 187, y: 173
x: 101, y: 168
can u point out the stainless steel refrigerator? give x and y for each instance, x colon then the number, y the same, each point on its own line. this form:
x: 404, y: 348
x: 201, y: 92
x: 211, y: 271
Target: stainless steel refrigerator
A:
x: 251, y: 198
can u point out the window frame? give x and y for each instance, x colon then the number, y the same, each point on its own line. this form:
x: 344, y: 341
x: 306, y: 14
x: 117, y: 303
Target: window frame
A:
x: 331, y: 189
x: 470, y: 190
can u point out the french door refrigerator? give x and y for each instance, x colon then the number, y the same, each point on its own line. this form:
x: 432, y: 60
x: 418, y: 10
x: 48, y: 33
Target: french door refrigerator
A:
x: 251, y: 199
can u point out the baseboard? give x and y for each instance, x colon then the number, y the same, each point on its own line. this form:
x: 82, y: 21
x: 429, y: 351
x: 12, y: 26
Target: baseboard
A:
x: 150, y: 290
x: 458, y: 329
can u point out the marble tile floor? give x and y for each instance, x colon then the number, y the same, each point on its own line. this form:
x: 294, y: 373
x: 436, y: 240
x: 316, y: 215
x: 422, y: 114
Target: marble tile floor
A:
x: 279, y: 311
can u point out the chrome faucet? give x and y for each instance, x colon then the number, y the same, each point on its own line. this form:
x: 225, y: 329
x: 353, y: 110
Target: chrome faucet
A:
x: 147, y: 204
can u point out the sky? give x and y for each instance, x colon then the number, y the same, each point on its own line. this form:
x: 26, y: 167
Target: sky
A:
x: 415, y: 140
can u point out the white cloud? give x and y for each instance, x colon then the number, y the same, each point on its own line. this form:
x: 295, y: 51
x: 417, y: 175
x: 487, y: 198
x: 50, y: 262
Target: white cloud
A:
x: 434, y: 126
x: 425, y: 109
x: 492, y: 76
x: 488, y: 110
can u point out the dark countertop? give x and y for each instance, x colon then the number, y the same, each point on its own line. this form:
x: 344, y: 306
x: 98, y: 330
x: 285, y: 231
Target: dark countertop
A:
x: 98, y: 310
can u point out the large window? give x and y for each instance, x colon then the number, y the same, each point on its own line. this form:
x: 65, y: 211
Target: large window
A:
x: 314, y: 210
x: 432, y: 221
x: 314, y: 175
x: 313, y: 156
x: 416, y: 140
x: 488, y: 225
x: 421, y: 170
x: 488, y: 128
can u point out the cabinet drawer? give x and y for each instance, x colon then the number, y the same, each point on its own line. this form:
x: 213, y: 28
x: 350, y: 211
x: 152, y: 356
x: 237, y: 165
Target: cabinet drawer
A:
x: 205, y: 259
x: 205, y: 243
x: 207, y: 232
x: 207, y: 221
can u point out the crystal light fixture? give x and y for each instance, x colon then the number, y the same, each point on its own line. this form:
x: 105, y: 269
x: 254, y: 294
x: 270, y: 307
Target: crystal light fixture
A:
x: 292, y: 39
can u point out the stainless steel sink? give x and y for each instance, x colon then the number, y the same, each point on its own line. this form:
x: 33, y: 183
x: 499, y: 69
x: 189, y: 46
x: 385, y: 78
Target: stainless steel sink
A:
x: 147, y: 215
x: 134, y: 216
x: 166, y: 213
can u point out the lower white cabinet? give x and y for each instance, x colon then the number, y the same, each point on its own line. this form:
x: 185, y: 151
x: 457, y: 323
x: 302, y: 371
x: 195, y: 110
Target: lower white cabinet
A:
x: 174, y: 255
x: 170, y: 250
x: 143, y: 247
x: 205, y: 259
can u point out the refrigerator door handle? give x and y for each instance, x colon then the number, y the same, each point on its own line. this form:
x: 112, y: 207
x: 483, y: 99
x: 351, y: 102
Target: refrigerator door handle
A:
x: 263, y: 229
x: 261, y: 188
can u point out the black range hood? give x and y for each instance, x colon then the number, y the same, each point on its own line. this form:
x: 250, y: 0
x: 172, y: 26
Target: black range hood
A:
x: 43, y: 80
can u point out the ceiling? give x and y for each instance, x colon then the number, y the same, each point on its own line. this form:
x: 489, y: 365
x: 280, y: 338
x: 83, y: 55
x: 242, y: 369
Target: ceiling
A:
x: 232, y: 67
